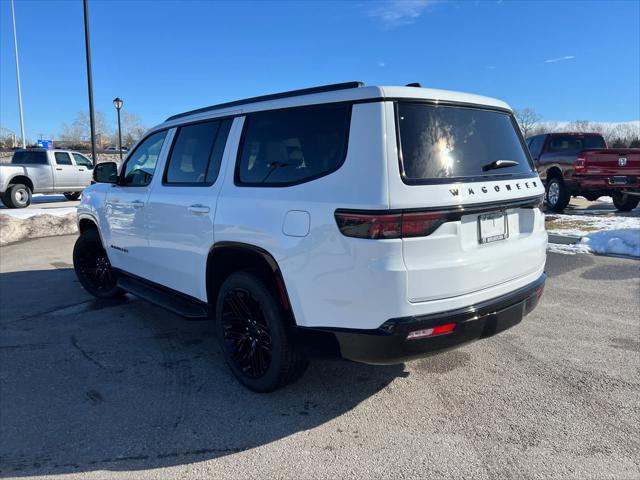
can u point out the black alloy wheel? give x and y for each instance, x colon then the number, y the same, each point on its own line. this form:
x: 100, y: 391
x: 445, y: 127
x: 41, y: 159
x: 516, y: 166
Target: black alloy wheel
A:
x: 93, y: 268
x: 246, y: 334
x: 253, y: 333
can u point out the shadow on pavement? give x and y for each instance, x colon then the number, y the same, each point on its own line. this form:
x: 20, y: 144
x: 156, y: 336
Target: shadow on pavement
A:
x: 124, y: 386
x: 596, y: 209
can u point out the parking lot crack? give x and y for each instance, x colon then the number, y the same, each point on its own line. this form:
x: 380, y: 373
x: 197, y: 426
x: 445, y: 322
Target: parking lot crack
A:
x: 74, y: 342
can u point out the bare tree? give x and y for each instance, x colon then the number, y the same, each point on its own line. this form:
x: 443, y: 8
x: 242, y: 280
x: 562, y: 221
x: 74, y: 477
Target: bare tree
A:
x: 617, y: 135
x: 132, y: 129
x: 585, y: 126
x: 546, y: 127
x: 80, y: 131
x: 7, y: 138
x: 527, y: 119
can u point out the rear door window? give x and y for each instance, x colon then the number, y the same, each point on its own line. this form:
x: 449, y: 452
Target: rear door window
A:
x: 443, y: 143
x: 288, y: 147
x: 29, y: 158
x: 197, y: 152
x: 62, y: 158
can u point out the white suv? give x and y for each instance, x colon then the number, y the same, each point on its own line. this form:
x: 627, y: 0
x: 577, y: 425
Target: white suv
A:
x: 378, y: 224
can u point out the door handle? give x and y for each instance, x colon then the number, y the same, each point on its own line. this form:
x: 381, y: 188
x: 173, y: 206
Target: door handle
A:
x: 58, y: 168
x: 198, y: 208
x: 81, y: 169
x: 137, y: 204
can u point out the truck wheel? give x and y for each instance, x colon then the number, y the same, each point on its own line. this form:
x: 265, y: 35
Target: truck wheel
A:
x: 624, y: 202
x: 18, y: 196
x: 557, y: 195
x: 93, y: 268
x: 252, y: 335
x: 72, y: 195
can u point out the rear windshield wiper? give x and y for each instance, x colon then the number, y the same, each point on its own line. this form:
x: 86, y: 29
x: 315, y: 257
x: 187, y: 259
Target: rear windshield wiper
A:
x: 499, y: 164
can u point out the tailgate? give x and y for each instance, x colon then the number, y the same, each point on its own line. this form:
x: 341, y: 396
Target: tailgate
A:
x: 612, y: 162
x: 465, y: 172
x: 457, y: 259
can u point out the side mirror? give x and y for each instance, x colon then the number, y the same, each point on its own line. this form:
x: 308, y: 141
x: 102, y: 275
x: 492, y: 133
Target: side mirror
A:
x: 106, y: 172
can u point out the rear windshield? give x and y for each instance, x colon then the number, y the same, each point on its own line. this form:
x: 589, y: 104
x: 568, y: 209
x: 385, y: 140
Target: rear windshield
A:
x: 442, y: 142
x: 29, y: 158
x: 574, y: 143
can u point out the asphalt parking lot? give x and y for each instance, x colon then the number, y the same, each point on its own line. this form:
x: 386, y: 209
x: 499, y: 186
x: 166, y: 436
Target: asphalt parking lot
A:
x: 127, y: 390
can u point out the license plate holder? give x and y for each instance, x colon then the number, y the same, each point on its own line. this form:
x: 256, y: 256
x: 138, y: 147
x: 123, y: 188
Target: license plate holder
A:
x: 618, y: 180
x: 492, y: 227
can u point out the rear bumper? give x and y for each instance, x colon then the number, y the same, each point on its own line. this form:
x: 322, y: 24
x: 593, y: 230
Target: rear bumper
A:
x: 606, y: 182
x: 388, y: 344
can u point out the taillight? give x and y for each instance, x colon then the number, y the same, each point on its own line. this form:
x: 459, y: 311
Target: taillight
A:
x: 421, y: 224
x: 580, y: 164
x: 373, y: 226
x: 378, y: 226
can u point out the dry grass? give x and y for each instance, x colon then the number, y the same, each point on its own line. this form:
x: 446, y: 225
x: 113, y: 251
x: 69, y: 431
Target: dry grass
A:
x: 555, y: 223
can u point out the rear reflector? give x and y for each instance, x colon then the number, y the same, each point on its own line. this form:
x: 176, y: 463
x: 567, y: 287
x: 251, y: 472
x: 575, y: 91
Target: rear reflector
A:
x: 378, y: 226
x: 431, y: 332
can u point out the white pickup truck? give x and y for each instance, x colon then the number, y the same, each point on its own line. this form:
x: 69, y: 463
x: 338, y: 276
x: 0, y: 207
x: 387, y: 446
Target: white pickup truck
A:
x: 38, y: 170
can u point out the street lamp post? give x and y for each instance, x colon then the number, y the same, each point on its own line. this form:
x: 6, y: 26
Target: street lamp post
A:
x: 117, y: 102
x: 15, y: 46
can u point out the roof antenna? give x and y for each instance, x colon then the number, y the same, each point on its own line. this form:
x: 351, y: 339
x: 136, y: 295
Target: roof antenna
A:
x: 415, y: 84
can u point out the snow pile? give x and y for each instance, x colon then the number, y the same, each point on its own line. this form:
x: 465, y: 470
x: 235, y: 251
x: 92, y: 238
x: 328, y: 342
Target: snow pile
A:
x: 581, y: 225
x: 24, y: 213
x: 618, y: 242
x: 14, y: 228
x: 17, y: 224
x: 571, y: 249
x: 610, y: 234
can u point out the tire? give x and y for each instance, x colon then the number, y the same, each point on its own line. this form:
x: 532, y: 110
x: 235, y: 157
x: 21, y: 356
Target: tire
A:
x: 557, y: 195
x: 72, y: 195
x: 624, y: 202
x: 93, y: 268
x: 250, y: 326
x: 17, y: 196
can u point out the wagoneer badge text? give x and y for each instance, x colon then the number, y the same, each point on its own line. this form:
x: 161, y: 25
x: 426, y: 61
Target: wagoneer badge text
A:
x: 507, y: 188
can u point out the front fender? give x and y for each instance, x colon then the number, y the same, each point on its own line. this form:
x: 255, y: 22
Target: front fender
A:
x: 91, y: 207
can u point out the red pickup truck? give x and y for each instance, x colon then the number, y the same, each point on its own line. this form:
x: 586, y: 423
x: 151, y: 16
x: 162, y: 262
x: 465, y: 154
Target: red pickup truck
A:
x: 580, y: 164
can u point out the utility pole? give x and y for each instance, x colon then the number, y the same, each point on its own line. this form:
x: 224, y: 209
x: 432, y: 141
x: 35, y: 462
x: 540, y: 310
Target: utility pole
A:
x: 15, y: 46
x: 87, y: 45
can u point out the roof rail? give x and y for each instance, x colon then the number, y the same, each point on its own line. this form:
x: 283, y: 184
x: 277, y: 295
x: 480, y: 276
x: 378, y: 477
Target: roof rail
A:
x: 273, y: 96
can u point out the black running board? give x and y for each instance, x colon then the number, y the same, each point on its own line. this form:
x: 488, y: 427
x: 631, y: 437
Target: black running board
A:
x: 166, y: 298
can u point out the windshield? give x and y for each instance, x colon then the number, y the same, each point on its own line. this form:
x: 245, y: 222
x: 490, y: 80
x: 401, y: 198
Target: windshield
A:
x: 29, y: 157
x: 443, y: 142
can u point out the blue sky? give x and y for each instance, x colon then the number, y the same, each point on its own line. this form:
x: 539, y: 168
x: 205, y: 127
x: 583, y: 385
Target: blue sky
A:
x: 567, y: 60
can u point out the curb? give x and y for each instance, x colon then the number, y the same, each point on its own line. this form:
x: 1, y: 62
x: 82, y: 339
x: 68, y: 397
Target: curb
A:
x: 564, y: 239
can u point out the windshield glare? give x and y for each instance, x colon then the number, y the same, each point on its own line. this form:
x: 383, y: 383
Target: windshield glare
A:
x: 444, y: 142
